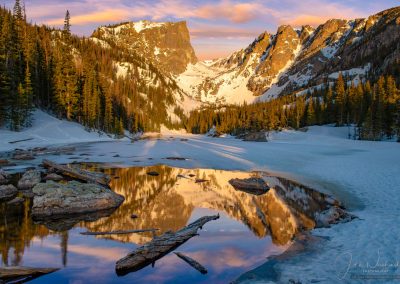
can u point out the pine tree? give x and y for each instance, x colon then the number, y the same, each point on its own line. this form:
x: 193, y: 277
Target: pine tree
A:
x: 17, y: 11
x: 67, y: 26
x: 340, y: 100
x: 311, y: 119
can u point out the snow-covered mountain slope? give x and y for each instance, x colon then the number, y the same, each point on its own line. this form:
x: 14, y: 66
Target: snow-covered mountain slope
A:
x: 289, y: 61
x: 293, y: 60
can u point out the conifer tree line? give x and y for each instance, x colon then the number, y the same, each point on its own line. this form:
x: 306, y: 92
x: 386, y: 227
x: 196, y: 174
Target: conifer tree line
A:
x: 76, y: 79
x: 373, y: 110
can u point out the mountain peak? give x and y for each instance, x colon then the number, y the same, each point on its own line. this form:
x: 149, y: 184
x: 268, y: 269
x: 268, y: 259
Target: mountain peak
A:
x: 166, y: 44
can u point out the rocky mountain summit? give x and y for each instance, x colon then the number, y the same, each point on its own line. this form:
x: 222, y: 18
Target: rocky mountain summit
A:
x: 289, y: 61
x: 293, y: 60
x: 166, y: 45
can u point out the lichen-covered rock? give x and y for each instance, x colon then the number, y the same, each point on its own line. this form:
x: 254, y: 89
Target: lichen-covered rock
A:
x: 52, y: 199
x: 7, y: 192
x: 29, y: 179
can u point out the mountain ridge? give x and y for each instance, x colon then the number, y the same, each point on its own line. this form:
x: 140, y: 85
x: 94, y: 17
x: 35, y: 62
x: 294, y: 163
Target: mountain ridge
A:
x: 291, y: 60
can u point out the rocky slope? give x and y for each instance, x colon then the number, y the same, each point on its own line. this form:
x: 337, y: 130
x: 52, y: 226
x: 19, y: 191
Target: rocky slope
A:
x: 166, y: 45
x: 292, y: 60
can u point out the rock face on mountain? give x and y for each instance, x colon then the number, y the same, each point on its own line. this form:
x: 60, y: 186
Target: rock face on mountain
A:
x: 166, y: 45
x: 294, y: 60
x: 289, y: 61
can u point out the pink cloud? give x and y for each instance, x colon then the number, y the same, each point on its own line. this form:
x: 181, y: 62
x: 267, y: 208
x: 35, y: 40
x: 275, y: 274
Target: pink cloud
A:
x: 109, y: 15
x: 234, y: 12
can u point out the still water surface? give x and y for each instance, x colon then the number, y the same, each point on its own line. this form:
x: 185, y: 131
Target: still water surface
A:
x: 250, y: 229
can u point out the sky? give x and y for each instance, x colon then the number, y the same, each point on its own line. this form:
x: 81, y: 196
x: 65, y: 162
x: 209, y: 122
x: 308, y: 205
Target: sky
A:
x: 217, y: 27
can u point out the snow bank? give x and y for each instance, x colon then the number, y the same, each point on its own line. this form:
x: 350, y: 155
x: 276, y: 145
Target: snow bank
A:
x: 48, y: 130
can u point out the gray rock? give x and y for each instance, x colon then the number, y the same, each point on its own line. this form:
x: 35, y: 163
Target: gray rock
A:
x: 29, y: 179
x: 54, y: 177
x: 7, y: 192
x: 15, y: 201
x: 4, y: 177
x: 52, y: 199
x: 255, y: 136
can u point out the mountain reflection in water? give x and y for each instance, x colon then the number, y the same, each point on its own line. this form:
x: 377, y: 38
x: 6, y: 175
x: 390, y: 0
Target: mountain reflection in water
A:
x: 251, y: 227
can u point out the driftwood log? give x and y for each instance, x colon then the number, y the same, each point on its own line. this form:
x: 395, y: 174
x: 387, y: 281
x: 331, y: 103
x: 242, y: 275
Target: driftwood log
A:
x: 159, y: 247
x: 80, y: 174
x: 193, y: 263
x: 117, y: 232
x: 22, y: 274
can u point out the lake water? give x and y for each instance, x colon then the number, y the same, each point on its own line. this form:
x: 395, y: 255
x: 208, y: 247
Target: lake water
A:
x: 250, y: 227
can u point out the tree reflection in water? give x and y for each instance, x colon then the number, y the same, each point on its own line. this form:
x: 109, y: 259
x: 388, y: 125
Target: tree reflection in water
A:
x: 167, y: 202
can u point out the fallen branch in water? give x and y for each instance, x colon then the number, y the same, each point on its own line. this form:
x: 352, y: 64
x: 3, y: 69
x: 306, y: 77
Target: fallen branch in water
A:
x: 117, y: 232
x: 192, y: 263
x: 22, y: 274
x: 159, y: 247
x: 87, y: 176
x: 16, y: 141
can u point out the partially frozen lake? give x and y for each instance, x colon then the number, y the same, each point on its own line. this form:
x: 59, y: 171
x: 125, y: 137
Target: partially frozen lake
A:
x: 250, y: 229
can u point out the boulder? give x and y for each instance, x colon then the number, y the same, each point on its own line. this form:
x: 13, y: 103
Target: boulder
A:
x: 16, y: 200
x: 255, y: 136
x: 24, y: 156
x: 54, y: 199
x: 29, y: 179
x: 4, y: 177
x: 7, y: 192
x: 54, y: 177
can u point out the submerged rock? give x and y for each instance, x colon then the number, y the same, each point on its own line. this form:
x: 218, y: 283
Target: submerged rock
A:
x: 24, y: 156
x: 61, y: 223
x: 4, y: 162
x: 7, y: 192
x: 255, y: 186
x: 52, y: 198
x: 29, y: 179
